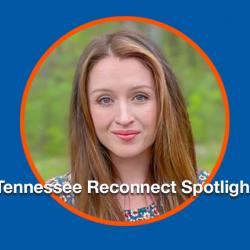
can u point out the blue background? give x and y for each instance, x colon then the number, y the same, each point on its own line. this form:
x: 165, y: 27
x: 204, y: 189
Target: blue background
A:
x: 30, y: 222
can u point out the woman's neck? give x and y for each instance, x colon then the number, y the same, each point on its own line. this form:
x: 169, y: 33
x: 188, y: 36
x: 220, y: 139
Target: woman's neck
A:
x: 134, y: 169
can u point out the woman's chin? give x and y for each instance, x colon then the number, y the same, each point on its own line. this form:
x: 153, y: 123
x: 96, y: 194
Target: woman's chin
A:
x: 127, y: 153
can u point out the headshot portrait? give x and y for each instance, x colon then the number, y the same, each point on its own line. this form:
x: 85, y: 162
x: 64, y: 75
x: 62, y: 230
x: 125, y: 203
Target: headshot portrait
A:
x: 124, y: 102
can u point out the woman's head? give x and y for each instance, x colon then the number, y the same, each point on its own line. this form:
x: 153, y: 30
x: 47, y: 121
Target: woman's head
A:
x: 126, y: 101
x: 123, y: 107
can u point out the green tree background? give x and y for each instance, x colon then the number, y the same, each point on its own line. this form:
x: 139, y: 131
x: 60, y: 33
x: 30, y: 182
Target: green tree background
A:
x: 47, y: 108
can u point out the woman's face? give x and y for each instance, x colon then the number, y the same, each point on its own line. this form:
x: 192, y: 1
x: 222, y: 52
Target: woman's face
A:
x: 123, y: 105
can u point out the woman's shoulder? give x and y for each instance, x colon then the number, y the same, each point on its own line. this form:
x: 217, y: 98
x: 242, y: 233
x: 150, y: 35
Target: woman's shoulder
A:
x: 62, y: 180
x: 202, y: 176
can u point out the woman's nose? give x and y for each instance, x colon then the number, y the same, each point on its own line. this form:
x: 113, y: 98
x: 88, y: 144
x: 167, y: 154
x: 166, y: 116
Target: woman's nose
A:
x: 123, y: 115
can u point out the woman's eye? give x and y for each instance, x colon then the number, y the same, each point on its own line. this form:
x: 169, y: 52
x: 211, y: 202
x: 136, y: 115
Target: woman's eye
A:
x: 141, y: 98
x: 105, y: 100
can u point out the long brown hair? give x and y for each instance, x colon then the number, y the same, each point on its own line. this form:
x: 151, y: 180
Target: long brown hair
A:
x: 173, y: 150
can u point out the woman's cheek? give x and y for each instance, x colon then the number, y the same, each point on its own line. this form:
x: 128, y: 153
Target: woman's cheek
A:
x: 101, y: 118
x: 148, y: 112
x: 151, y: 117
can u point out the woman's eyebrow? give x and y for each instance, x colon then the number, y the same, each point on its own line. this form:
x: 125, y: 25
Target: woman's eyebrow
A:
x: 100, y: 90
x: 142, y: 87
x: 131, y: 89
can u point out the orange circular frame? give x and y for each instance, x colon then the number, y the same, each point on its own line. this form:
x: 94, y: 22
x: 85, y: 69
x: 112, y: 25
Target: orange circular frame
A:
x: 136, y: 19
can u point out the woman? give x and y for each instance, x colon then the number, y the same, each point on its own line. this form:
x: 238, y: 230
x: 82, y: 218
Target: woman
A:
x: 128, y: 124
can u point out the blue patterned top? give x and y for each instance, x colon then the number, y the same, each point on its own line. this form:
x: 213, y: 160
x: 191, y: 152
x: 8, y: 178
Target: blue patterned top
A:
x: 143, y: 213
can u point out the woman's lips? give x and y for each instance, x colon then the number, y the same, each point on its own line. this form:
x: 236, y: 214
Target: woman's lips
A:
x: 126, y: 135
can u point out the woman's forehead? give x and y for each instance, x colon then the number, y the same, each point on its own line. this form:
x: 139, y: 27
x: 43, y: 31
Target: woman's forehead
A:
x: 113, y: 72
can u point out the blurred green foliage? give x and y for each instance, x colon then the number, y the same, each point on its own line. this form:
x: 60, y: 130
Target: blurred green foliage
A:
x: 47, y: 109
